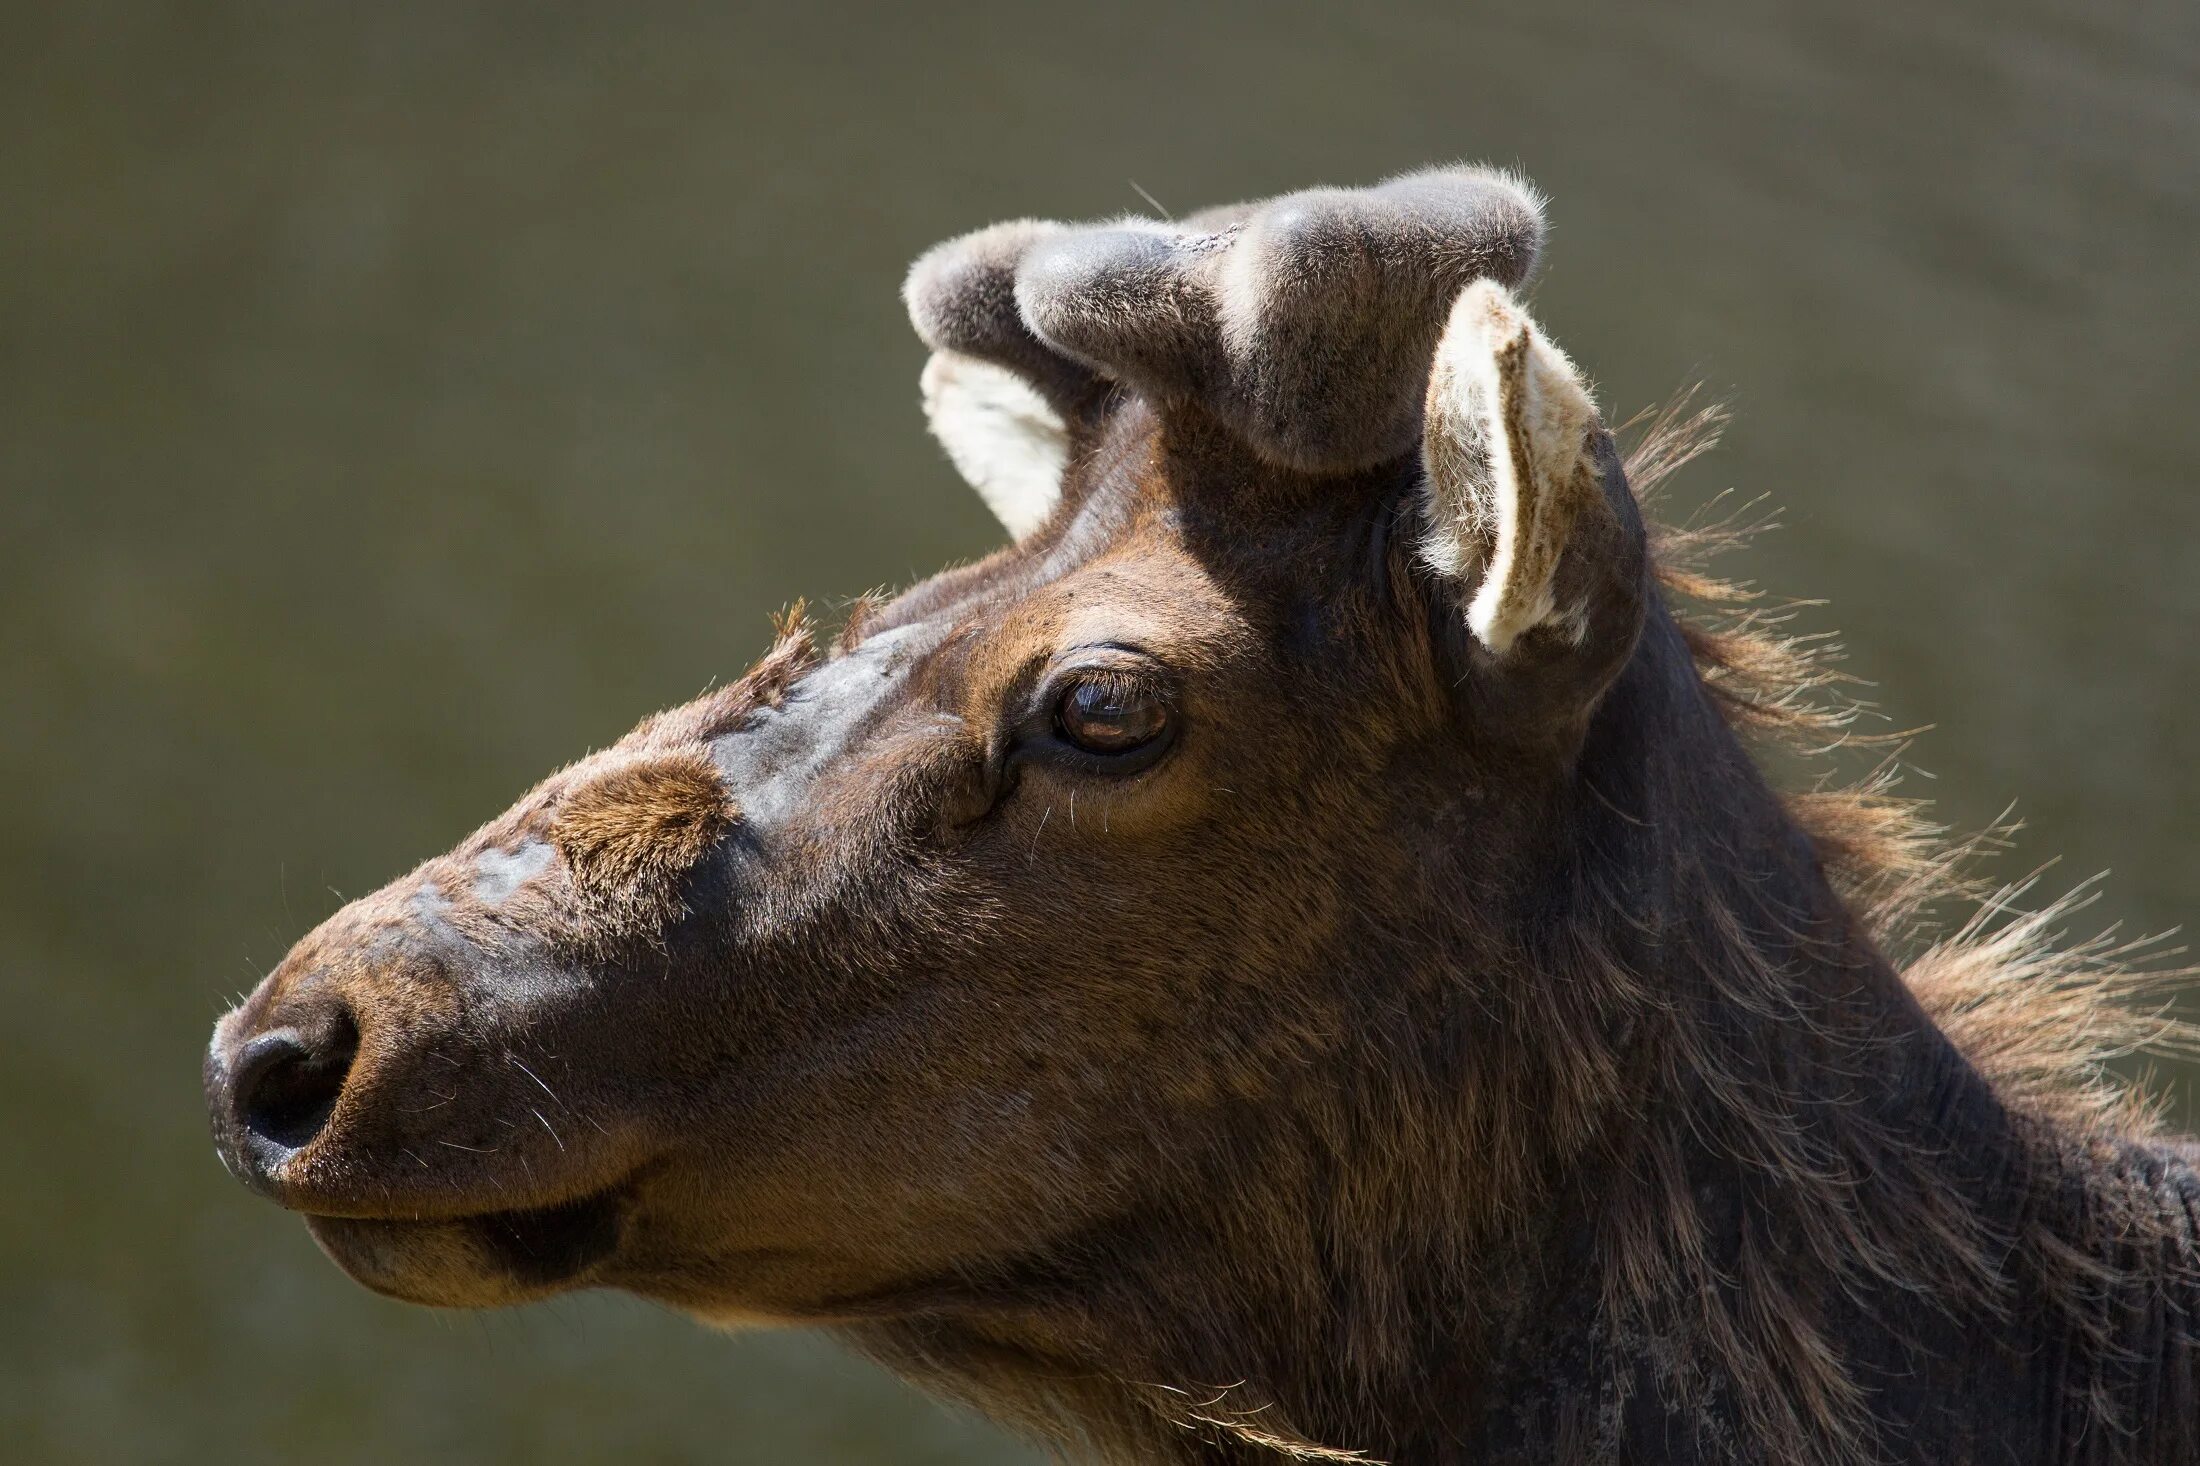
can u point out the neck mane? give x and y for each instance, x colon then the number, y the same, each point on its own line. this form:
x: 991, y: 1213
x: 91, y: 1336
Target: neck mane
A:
x: 1701, y: 1175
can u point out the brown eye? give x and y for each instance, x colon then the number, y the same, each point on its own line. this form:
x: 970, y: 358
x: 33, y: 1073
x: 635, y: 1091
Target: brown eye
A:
x: 1109, y: 716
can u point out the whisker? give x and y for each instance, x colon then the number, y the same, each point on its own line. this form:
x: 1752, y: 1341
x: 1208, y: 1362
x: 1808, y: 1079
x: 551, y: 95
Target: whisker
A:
x: 531, y: 1074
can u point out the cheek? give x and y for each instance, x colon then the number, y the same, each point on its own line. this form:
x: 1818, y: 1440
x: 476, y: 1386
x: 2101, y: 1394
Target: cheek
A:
x: 957, y: 1150
x: 1179, y: 942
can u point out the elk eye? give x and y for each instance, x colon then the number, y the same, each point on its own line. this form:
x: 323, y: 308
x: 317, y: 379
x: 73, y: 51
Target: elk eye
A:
x: 1110, y: 716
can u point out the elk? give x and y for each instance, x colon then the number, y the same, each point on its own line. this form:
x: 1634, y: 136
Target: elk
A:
x: 1294, y: 957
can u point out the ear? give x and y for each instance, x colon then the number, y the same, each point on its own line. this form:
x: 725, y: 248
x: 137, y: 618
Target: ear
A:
x: 1002, y: 436
x: 1528, y: 511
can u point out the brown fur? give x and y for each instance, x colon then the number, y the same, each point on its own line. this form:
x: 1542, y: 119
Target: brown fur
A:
x: 2040, y: 1019
x: 629, y: 833
x: 2042, y: 1016
x: 1439, y: 1053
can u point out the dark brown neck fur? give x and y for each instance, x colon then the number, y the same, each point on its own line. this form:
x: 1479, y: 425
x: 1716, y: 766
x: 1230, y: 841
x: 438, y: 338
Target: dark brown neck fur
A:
x: 1686, y: 1174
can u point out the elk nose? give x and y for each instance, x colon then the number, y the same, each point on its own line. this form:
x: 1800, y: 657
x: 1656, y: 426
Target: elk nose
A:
x: 287, y: 1087
x: 277, y: 1089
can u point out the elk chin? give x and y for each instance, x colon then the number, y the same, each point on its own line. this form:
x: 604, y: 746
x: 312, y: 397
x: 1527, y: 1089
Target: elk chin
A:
x: 489, y: 1261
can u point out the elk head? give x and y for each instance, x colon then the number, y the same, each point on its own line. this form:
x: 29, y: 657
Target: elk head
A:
x: 1069, y: 891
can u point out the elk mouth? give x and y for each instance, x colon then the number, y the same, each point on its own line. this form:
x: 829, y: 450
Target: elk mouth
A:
x: 484, y: 1260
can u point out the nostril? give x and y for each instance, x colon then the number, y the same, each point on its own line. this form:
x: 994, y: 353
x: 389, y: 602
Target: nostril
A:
x: 286, y: 1085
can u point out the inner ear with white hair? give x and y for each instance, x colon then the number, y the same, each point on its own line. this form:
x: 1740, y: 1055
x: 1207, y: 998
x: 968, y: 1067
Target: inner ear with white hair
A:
x: 1528, y: 518
x: 998, y: 397
x: 1007, y: 441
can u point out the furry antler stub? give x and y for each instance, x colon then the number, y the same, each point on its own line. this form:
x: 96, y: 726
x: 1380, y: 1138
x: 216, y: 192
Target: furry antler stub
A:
x: 1305, y: 322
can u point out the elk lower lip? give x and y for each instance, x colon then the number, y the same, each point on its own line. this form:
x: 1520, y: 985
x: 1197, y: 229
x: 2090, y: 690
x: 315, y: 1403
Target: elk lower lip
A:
x: 535, y: 1246
x: 550, y: 1244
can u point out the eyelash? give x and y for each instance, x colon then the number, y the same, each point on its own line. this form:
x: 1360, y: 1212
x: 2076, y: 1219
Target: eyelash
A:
x: 1044, y: 734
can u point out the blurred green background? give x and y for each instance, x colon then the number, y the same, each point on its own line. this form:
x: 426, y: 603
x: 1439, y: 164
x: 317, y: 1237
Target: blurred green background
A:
x: 397, y: 400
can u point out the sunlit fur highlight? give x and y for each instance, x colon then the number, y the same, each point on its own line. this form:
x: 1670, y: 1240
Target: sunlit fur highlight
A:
x: 2041, y: 1016
x: 632, y: 831
x: 629, y: 821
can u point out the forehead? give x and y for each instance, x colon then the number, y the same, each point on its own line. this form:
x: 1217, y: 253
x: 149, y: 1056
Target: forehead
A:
x: 1134, y: 554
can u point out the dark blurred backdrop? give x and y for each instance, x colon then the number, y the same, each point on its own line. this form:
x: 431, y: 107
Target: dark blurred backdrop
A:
x: 397, y: 400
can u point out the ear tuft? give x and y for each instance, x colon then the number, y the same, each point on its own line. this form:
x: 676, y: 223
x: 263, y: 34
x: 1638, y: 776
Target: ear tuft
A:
x: 1003, y: 437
